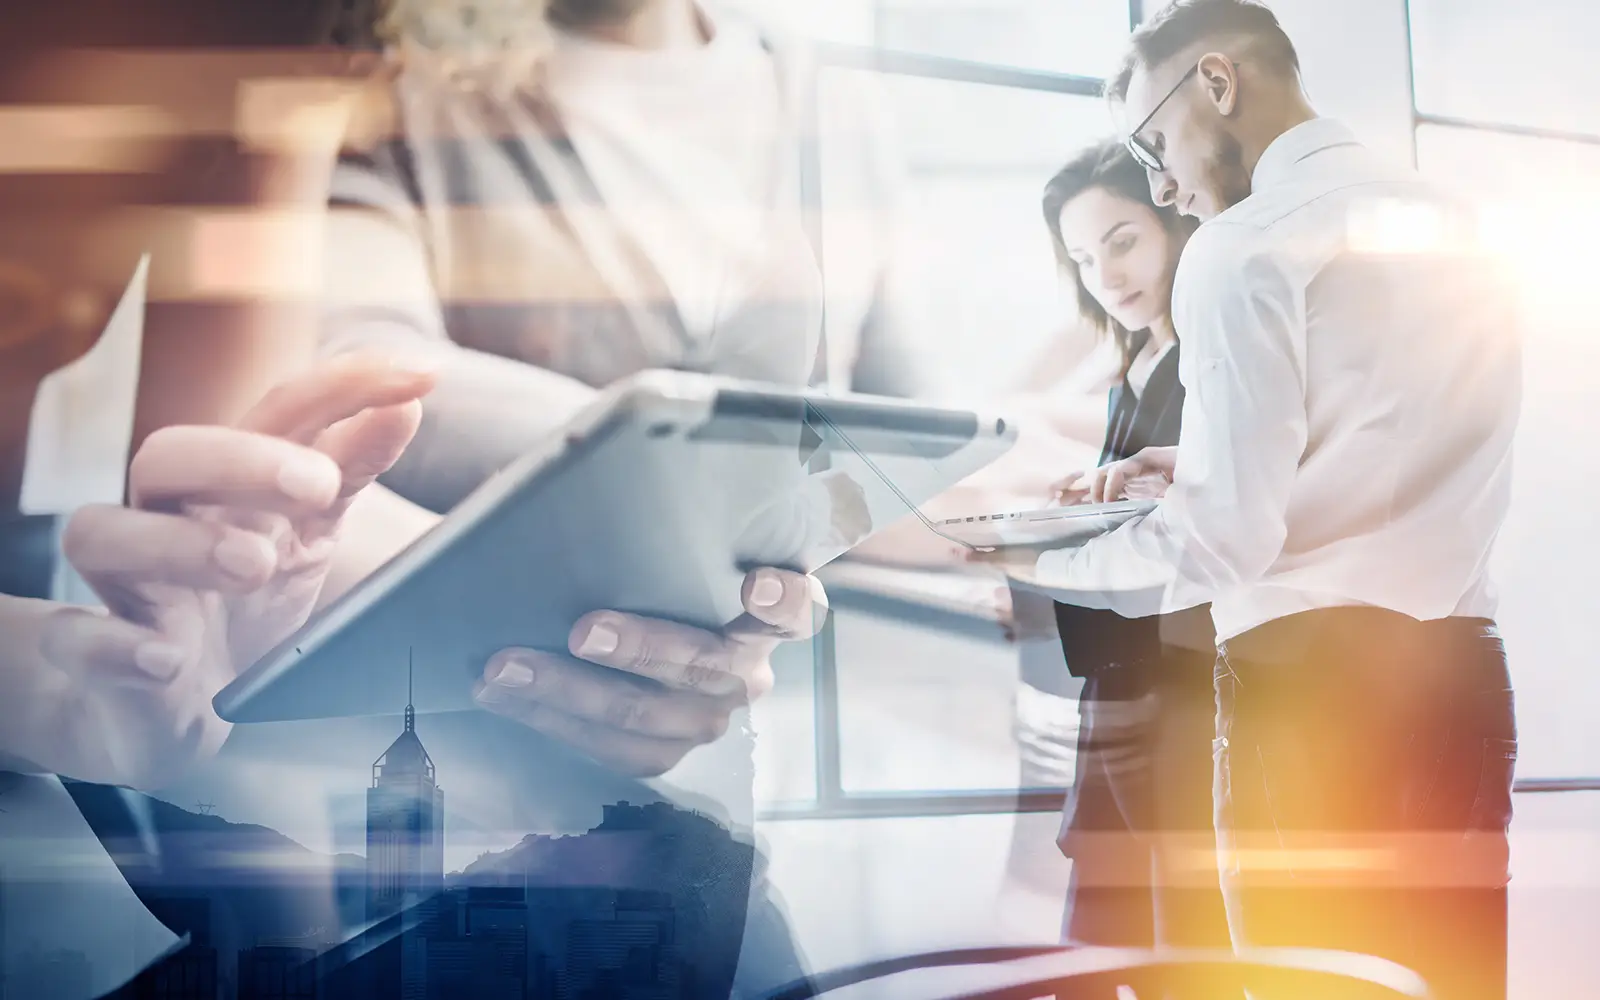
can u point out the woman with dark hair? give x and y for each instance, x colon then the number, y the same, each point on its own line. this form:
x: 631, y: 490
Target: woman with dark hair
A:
x: 1138, y: 822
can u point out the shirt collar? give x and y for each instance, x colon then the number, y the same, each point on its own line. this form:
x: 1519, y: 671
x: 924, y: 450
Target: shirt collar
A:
x: 1289, y: 149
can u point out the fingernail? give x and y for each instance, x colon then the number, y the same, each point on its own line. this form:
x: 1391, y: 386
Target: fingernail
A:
x: 244, y: 557
x: 601, y: 640
x: 159, y: 659
x: 766, y: 591
x: 308, y: 480
x: 513, y: 675
x: 488, y: 694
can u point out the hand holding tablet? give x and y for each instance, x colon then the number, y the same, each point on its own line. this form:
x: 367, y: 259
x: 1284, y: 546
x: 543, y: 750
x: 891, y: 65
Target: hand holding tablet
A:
x: 655, y: 503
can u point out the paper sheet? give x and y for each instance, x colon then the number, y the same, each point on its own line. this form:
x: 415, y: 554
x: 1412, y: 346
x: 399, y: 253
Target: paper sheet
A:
x: 73, y: 929
x: 81, y: 428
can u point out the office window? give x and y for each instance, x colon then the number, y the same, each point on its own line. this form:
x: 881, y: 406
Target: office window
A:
x: 972, y: 257
x: 955, y: 113
x: 921, y: 711
x: 845, y: 22
x: 1541, y: 210
x: 1528, y: 63
x: 1082, y: 37
x: 785, y: 723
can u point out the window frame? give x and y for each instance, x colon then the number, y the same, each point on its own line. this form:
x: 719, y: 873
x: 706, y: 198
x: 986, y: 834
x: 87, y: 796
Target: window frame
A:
x: 1420, y: 119
x: 830, y: 799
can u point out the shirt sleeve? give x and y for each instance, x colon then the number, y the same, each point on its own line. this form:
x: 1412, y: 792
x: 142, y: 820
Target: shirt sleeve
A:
x: 1241, y: 316
x: 381, y: 294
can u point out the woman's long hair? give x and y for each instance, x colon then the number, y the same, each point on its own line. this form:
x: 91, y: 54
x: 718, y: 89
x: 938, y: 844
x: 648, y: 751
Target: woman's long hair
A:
x: 1109, y: 166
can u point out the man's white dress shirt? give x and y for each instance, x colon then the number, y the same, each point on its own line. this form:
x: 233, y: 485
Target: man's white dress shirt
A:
x: 1352, y: 366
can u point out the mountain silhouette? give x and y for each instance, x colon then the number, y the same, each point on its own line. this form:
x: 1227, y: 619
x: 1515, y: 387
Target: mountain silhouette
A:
x: 260, y: 885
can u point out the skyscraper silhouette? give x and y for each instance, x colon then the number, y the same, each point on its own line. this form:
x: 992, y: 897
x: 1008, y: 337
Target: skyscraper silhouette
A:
x: 478, y: 944
x: 190, y: 974
x: 39, y: 974
x: 405, y: 847
x: 278, y: 972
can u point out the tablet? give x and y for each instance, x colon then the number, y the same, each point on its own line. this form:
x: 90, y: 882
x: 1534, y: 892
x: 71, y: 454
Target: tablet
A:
x: 656, y: 500
x: 1052, y: 527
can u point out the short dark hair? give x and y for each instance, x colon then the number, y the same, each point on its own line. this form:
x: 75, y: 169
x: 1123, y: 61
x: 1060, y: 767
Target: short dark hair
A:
x: 1106, y: 165
x: 1185, y: 22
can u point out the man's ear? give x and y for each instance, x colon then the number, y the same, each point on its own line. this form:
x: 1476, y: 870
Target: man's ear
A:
x: 1220, y: 77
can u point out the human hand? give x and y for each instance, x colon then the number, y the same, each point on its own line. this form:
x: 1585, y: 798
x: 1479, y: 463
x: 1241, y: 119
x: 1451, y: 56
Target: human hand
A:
x: 1143, y: 476
x: 638, y: 694
x: 219, y: 556
x: 1071, y: 489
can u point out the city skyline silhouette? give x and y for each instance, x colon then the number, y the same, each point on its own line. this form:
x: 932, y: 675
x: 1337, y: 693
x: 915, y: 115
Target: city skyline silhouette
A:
x: 648, y: 904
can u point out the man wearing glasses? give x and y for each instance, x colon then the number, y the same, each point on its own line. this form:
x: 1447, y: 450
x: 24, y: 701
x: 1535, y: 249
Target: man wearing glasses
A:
x: 1352, y: 390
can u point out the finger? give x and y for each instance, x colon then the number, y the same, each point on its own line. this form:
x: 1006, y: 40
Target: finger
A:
x: 679, y: 656
x: 368, y: 444
x: 94, y: 647
x: 781, y: 604
x: 1071, y: 481
x: 627, y: 753
x: 226, y: 467
x: 1097, y: 490
x: 1070, y: 496
x: 1117, y: 480
x: 116, y: 549
x: 604, y: 697
x: 302, y: 408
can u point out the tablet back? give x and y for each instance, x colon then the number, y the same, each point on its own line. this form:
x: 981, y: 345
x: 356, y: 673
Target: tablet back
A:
x: 656, y: 501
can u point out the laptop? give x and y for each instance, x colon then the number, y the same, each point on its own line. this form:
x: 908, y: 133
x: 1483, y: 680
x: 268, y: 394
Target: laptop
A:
x: 1054, y: 527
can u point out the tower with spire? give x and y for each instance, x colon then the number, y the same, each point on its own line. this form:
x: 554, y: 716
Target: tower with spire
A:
x: 405, y: 824
x: 405, y: 852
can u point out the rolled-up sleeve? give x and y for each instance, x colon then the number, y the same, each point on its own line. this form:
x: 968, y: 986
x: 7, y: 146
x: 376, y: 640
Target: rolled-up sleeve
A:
x: 1241, y: 316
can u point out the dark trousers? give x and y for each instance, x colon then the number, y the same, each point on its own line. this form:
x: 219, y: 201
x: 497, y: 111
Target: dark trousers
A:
x: 1138, y: 825
x: 1363, y: 768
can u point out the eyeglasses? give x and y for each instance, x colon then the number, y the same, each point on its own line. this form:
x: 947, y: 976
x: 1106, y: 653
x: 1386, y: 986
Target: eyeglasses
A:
x: 1140, y: 148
